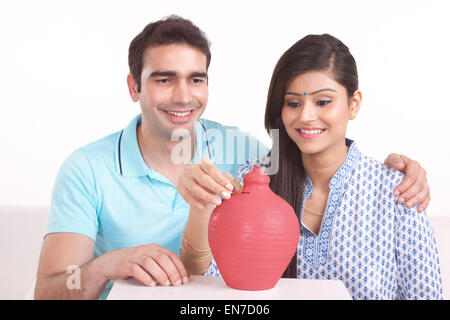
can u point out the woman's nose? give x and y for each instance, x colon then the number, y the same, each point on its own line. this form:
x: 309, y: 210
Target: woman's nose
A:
x: 308, y: 112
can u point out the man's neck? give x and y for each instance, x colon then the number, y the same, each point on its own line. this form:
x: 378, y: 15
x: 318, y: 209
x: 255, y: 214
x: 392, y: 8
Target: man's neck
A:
x: 321, y: 167
x: 157, y: 152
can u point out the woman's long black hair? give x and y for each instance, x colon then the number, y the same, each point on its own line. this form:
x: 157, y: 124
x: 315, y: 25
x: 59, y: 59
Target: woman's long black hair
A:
x: 313, y: 52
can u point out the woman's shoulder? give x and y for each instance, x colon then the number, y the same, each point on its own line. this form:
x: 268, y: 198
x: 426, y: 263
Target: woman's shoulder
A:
x: 377, y: 172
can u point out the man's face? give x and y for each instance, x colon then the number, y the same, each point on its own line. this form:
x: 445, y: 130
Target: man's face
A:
x: 174, y: 89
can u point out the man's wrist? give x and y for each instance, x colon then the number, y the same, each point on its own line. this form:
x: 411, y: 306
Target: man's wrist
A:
x: 98, y: 268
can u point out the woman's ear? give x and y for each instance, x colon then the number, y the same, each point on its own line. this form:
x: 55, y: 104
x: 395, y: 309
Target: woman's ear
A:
x: 355, y: 104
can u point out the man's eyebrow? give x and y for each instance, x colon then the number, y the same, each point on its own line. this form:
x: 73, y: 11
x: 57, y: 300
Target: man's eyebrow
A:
x: 162, y: 74
x: 199, y: 75
x: 311, y: 93
x: 173, y: 73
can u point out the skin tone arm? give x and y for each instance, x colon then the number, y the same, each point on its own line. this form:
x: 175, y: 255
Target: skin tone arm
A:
x: 199, y: 185
x: 150, y: 264
x: 195, y: 252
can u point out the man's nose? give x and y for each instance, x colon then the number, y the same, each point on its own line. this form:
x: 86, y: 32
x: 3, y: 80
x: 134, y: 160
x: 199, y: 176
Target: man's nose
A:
x: 181, y: 93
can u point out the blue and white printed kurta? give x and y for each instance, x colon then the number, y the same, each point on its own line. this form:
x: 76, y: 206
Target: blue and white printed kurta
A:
x: 376, y: 246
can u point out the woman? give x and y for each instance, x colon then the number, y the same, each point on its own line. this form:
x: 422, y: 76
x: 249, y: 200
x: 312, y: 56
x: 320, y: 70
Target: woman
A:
x: 352, y: 227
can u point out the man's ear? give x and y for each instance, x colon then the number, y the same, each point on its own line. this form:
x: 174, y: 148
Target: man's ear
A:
x: 355, y: 104
x: 132, y: 88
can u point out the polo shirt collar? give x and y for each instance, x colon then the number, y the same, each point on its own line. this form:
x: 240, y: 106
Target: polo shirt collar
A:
x: 129, y: 161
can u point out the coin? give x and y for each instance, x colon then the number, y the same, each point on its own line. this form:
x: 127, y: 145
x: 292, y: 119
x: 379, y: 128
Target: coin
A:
x: 237, y: 186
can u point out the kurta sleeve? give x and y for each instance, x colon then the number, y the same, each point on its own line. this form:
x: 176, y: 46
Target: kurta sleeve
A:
x: 418, y: 273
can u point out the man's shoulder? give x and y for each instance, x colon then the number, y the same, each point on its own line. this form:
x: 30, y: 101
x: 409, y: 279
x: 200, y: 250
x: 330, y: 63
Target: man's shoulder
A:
x: 101, y: 147
x: 92, y: 155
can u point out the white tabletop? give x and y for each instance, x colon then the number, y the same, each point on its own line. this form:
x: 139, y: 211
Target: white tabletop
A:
x: 214, y: 288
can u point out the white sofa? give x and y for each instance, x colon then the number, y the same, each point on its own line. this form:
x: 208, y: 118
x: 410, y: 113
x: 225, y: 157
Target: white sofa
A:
x: 22, y: 229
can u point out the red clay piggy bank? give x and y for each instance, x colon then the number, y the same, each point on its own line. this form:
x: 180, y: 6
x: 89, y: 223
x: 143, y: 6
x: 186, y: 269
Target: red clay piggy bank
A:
x: 253, y: 235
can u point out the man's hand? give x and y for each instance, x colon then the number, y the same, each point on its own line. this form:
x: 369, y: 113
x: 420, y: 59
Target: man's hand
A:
x: 200, y: 184
x: 151, y: 264
x: 414, y: 189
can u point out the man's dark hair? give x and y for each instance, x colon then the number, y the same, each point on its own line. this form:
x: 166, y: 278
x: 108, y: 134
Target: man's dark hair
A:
x: 170, y: 30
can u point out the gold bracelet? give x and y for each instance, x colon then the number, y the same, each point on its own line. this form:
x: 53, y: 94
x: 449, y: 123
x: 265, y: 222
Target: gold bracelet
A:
x: 191, y: 248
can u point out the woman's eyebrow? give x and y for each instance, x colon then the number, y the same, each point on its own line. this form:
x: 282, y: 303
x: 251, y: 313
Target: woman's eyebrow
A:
x: 311, y: 93
x: 326, y: 89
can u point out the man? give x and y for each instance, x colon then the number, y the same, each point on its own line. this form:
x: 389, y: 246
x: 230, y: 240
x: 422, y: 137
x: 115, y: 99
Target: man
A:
x: 115, y: 211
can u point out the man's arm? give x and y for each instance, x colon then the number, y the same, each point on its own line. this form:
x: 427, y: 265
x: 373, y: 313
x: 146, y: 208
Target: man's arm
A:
x: 414, y: 189
x: 150, y: 264
x: 59, y: 252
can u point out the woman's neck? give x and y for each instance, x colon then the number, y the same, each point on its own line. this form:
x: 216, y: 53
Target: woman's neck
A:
x: 321, y: 166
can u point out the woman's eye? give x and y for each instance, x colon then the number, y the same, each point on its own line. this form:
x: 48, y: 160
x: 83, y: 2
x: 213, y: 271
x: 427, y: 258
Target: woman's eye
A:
x: 323, y: 102
x: 292, y: 104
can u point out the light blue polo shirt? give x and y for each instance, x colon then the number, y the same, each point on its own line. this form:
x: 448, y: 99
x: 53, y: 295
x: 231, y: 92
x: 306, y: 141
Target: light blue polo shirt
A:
x: 105, y: 191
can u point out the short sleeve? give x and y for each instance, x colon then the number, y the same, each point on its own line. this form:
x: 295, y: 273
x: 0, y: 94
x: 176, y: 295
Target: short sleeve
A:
x: 73, y: 204
x: 419, y: 275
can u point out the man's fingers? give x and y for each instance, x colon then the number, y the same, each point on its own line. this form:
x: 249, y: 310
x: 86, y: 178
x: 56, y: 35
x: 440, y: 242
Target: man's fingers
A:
x: 203, y: 196
x: 414, y: 201
x: 152, y: 267
x: 166, y: 264
x: 137, y: 272
x: 411, y: 176
x: 211, y: 170
x: 424, y: 204
x: 209, y: 183
x: 179, y: 265
x: 228, y: 175
x: 395, y: 161
x: 193, y: 201
x: 418, y: 189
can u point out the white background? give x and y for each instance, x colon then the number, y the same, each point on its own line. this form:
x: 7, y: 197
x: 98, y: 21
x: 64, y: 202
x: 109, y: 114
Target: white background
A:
x: 63, y: 68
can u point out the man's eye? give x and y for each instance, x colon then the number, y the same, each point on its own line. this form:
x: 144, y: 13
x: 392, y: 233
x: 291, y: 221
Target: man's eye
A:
x: 196, y: 80
x: 163, y: 81
x: 323, y: 102
x: 292, y: 104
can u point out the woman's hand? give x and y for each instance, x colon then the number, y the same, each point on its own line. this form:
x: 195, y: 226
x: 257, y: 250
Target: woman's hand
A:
x: 202, y: 183
x: 414, y: 189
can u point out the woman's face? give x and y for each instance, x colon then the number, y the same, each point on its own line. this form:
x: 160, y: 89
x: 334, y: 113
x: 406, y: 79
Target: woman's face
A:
x: 316, y: 111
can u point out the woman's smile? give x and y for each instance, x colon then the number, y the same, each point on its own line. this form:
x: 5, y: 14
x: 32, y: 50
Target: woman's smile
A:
x: 309, y: 133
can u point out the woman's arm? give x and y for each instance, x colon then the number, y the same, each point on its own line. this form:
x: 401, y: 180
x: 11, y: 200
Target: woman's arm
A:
x: 194, y: 251
x: 418, y: 270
